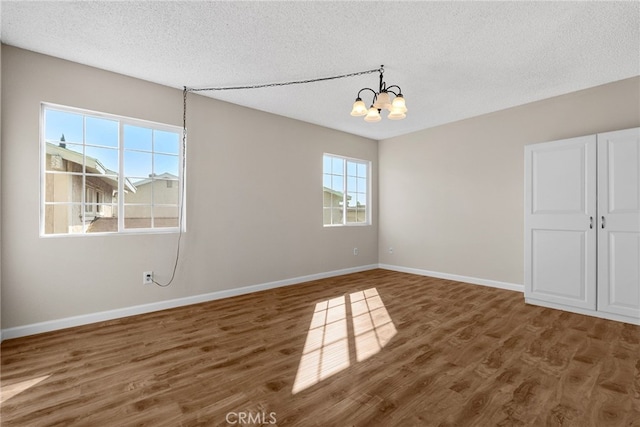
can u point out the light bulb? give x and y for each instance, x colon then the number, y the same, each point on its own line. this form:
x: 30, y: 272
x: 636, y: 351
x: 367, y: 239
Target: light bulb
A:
x: 398, y: 104
x: 373, y: 115
x: 383, y: 101
x: 359, y: 108
x: 396, y: 115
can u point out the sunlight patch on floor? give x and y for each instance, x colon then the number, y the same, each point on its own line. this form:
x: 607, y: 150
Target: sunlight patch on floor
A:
x: 7, y: 392
x: 372, y: 325
x: 326, y: 349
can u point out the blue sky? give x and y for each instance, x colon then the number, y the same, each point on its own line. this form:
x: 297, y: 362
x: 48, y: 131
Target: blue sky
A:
x: 146, y: 151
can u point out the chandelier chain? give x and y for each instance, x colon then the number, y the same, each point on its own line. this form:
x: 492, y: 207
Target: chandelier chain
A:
x: 295, y: 82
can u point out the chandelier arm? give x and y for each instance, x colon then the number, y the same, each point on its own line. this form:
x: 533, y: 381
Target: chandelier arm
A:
x: 399, y: 90
x: 375, y: 94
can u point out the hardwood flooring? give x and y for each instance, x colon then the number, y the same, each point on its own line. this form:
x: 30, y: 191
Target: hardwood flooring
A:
x: 422, y: 352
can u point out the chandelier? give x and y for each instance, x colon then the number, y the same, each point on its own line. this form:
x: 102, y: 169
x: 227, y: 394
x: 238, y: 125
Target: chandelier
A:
x: 381, y: 101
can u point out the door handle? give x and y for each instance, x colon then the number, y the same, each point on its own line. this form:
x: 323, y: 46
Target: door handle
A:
x: 590, y: 222
x: 603, y: 222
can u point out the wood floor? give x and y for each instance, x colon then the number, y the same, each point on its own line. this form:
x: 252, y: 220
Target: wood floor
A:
x: 377, y: 348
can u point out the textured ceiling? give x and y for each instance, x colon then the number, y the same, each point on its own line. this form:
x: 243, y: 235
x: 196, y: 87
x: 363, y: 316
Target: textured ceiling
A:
x: 453, y: 60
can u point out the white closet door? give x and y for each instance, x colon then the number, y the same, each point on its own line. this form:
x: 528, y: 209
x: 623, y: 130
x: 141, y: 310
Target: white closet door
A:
x: 560, y: 222
x: 619, y: 222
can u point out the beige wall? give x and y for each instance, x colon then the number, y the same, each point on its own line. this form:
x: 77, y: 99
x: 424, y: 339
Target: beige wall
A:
x: 273, y: 166
x: 451, y: 197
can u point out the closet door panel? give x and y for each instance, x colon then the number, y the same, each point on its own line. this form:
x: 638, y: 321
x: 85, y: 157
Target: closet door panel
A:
x: 559, y: 264
x: 619, y: 222
x: 624, y: 270
x: 560, y: 234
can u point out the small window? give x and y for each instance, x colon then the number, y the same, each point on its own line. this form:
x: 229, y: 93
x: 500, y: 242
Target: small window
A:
x: 109, y: 174
x: 345, y: 185
x: 93, y: 201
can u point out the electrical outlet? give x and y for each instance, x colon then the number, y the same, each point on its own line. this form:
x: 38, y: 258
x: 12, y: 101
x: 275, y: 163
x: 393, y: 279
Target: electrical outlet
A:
x: 147, y: 278
x: 390, y: 250
x: 356, y: 251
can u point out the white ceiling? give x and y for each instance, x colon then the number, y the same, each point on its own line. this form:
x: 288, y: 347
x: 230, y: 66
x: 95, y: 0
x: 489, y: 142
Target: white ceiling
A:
x: 453, y: 60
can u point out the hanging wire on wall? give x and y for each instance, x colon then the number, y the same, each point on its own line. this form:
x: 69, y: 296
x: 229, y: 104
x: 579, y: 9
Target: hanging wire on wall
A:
x: 185, y: 92
x: 182, y: 189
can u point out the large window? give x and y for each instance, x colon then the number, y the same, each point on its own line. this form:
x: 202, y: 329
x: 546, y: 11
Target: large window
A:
x: 109, y: 174
x: 345, y: 184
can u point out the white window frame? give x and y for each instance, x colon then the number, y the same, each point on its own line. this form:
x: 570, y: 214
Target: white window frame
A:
x: 345, y: 193
x: 122, y: 121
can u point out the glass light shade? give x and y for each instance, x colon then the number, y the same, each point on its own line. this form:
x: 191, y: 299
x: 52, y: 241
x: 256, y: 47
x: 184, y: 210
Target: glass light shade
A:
x: 383, y: 101
x: 359, y: 108
x: 399, y: 104
x: 396, y: 115
x: 373, y: 115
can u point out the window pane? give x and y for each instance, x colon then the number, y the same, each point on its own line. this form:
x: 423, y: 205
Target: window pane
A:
x: 165, y: 192
x: 165, y: 216
x: 63, y: 187
x: 101, y: 210
x: 61, y: 158
x: 89, y: 198
x: 352, y: 184
x: 326, y: 164
x: 101, y: 160
x: 137, y: 164
x: 351, y: 168
x: 337, y: 183
x: 351, y: 214
x: 137, y: 217
x: 362, y: 185
x: 166, y: 142
x: 63, y: 219
x: 64, y: 157
x: 326, y: 181
x: 337, y: 166
x: 59, y: 123
x: 106, y: 221
x: 101, y: 132
x: 137, y: 138
x: 326, y: 216
x: 166, y: 164
x: 73, y: 149
x: 361, y: 199
x: 142, y: 193
x: 336, y: 216
x: 327, y: 197
x: 362, y: 170
x: 107, y: 185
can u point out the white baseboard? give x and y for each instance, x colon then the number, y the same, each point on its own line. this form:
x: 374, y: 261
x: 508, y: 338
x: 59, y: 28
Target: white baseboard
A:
x: 457, y: 278
x: 69, y: 322
x: 592, y: 313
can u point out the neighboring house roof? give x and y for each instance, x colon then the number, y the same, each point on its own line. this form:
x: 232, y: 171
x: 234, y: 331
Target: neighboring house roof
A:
x: 166, y: 175
x: 93, y: 165
x: 335, y: 192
